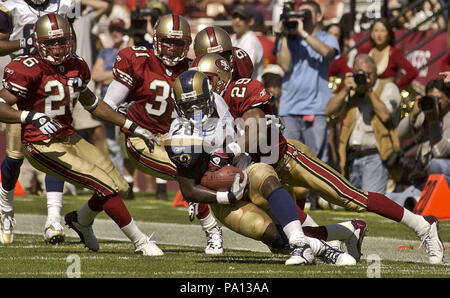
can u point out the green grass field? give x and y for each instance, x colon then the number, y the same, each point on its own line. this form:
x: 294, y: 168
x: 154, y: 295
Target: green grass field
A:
x: 30, y: 257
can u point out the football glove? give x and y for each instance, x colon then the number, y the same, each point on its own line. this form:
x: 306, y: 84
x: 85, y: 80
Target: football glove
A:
x: 238, y: 188
x: 44, y: 123
x: 123, y: 108
x: 27, y: 43
x: 193, y: 210
x: 138, y: 131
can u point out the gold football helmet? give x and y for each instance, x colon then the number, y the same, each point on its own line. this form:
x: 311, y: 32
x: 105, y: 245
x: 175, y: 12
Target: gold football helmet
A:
x: 53, y: 38
x: 193, y: 97
x: 172, y: 39
x: 213, y: 40
x: 216, y: 68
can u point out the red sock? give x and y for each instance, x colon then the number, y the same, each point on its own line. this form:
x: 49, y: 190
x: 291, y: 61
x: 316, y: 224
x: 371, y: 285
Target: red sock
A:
x: 316, y: 232
x: 203, y: 211
x: 382, y: 205
x: 301, y: 214
x: 95, y: 203
x: 116, y: 209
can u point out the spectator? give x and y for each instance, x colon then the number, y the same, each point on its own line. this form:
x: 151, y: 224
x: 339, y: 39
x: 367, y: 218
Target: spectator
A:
x: 367, y: 138
x: 305, y: 59
x: 428, y: 8
x: 389, y: 59
x: 272, y: 78
x: 430, y: 127
x: 267, y: 41
x: 245, y: 38
x: 338, y: 68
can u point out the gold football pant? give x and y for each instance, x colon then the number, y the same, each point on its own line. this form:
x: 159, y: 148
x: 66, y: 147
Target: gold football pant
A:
x: 156, y: 163
x: 14, y: 147
x: 75, y: 160
x: 299, y: 167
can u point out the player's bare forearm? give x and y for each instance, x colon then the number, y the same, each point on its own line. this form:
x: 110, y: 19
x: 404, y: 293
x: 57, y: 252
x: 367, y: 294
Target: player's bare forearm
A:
x: 253, y: 126
x: 196, y: 193
x: 8, y: 47
x: 7, y: 113
x: 106, y: 113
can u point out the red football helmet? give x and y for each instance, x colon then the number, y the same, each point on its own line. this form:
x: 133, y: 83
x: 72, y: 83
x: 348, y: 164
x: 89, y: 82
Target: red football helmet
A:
x: 53, y: 38
x: 172, y: 39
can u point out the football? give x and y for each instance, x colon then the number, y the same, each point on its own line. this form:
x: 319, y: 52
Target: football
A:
x: 222, y: 179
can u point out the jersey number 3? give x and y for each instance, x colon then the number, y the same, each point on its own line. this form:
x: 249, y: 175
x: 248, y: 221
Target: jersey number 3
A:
x: 162, y: 89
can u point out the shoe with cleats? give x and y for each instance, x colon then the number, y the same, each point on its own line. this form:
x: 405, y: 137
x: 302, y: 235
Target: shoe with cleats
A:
x: 85, y: 233
x: 301, y: 254
x: 214, y: 241
x: 432, y: 241
x: 331, y: 255
x: 148, y: 247
x: 354, y: 242
x: 7, y: 223
x: 54, y: 233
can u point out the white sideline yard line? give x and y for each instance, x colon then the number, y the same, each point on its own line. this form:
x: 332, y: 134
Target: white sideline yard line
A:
x: 193, y: 235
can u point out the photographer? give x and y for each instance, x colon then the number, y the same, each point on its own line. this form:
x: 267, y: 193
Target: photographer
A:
x: 305, y: 55
x: 429, y: 125
x: 368, y: 134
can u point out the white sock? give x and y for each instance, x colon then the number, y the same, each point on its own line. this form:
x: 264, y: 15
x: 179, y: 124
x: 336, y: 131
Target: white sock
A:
x: 415, y: 222
x: 294, y: 231
x: 316, y: 245
x: 129, y: 178
x: 160, y: 181
x: 208, y: 222
x: 309, y: 222
x: 86, y: 215
x: 133, y: 233
x: 54, y: 206
x: 6, y: 200
x: 339, y: 231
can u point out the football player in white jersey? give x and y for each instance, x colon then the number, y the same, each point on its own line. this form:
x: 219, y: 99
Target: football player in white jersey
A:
x: 17, y: 19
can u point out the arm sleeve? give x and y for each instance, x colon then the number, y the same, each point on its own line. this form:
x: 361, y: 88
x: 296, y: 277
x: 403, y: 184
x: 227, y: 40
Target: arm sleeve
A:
x: 116, y: 94
x: 123, y: 68
x: 17, y: 78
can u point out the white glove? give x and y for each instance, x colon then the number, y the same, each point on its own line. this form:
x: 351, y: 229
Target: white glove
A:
x: 138, y: 131
x: 44, y: 123
x: 238, y: 188
x: 27, y: 43
x: 193, y: 210
x: 124, y: 108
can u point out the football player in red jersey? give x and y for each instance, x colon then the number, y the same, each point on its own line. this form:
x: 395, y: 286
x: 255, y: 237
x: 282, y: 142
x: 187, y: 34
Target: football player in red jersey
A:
x: 216, y: 40
x: 45, y: 88
x: 202, y: 131
x: 144, y: 77
x: 17, y: 18
x: 293, y: 164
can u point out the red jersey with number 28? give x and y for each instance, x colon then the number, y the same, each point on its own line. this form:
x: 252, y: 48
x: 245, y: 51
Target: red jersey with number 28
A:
x: 245, y: 94
x: 149, y: 82
x: 45, y: 88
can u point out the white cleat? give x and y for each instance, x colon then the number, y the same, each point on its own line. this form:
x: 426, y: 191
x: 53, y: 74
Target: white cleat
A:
x: 214, y: 241
x: 148, y: 248
x: 85, y: 232
x: 301, y: 254
x: 354, y: 242
x: 7, y: 223
x: 331, y: 255
x: 432, y: 240
x: 54, y: 233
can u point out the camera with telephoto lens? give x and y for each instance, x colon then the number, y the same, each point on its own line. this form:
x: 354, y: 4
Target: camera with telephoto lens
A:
x: 427, y: 103
x: 290, y: 27
x: 360, y: 78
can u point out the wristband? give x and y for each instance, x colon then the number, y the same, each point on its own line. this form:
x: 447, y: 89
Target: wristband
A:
x: 25, y: 115
x: 222, y: 197
x: 130, y: 125
x: 23, y: 43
